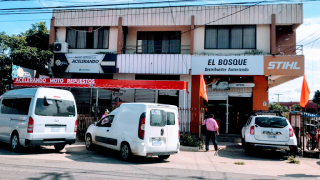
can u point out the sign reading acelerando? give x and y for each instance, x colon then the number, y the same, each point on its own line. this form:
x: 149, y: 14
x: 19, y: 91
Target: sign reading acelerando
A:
x: 227, y: 65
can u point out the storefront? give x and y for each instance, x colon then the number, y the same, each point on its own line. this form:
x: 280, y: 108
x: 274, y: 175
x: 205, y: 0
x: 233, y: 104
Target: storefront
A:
x: 237, y: 85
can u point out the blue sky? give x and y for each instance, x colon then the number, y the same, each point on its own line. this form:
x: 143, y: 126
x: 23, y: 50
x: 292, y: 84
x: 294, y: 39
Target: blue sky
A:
x: 290, y: 90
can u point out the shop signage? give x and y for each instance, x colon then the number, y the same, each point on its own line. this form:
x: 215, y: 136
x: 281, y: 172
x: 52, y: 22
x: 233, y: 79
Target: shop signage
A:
x: 284, y: 65
x: 85, y: 63
x: 22, y: 72
x: 241, y: 85
x: 227, y: 65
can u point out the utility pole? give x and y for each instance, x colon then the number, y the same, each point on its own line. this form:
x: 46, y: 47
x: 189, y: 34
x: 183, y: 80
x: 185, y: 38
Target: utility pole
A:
x: 278, y: 96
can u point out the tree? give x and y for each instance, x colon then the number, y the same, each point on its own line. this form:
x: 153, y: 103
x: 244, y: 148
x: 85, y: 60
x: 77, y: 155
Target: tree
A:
x: 278, y: 107
x: 296, y: 107
x: 316, y: 98
x: 38, y: 36
x: 29, y: 49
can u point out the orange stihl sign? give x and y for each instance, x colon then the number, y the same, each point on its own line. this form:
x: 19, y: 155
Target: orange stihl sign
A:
x: 284, y: 65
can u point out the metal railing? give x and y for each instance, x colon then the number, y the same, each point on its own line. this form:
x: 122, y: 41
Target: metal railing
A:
x: 156, y: 49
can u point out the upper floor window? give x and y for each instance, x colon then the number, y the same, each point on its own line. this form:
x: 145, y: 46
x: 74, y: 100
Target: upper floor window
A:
x: 230, y: 37
x: 159, y: 42
x: 81, y: 38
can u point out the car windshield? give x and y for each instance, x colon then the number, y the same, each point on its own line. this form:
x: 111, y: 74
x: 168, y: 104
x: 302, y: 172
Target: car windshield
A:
x: 61, y: 108
x: 274, y: 122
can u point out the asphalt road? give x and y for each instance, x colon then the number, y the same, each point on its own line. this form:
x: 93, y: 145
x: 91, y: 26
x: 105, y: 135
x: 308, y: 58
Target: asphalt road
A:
x: 75, y: 162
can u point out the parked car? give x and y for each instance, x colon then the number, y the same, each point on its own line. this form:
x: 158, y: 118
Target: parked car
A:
x: 268, y: 132
x: 142, y: 129
x: 38, y: 116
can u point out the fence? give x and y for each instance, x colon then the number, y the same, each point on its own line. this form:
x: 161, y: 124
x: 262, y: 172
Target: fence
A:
x: 303, y: 124
x: 87, y: 115
x: 190, y: 120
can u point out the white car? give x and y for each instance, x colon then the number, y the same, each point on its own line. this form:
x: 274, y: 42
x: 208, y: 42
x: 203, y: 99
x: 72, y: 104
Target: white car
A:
x: 268, y: 132
x: 142, y: 129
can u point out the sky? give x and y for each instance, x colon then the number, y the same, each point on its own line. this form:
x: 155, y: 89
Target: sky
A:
x: 15, y: 24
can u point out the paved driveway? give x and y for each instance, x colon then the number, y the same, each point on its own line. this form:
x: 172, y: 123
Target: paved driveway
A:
x: 75, y: 162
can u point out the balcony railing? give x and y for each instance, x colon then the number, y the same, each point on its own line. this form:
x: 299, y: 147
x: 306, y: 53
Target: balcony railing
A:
x: 290, y: 50
x: 156, y: 49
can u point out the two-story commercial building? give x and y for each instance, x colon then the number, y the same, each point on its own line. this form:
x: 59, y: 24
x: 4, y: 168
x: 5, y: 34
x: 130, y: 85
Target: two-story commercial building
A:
x: 243, y: 51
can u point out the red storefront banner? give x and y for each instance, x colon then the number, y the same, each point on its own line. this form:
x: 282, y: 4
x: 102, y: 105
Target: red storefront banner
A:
x: 102, y: 83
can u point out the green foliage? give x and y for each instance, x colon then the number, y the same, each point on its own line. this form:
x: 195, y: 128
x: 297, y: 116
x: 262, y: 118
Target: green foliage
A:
x: 29, y: 49
x: 278, y: 107
x: 296, y: 107
x: 38, y: 36
x: 189, y: 140
x: 316, y: 97
x: 291, y: 159
x: 254, y: 52
x: 239, y: 163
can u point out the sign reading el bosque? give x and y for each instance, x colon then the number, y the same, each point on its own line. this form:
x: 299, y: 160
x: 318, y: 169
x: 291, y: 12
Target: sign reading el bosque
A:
x: 228, y: 65
x: 85, y: 63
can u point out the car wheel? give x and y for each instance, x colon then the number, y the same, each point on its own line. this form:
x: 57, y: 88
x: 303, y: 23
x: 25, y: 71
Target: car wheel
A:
x: 59, y: 147
x: 125, y: 151
x: 89, y: 144
x: 15, y: 143
x: 247, y: 149
x: 164, y: 157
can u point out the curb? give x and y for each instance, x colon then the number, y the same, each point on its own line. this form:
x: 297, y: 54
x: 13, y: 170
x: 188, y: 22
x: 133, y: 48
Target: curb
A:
x: 189, y: 148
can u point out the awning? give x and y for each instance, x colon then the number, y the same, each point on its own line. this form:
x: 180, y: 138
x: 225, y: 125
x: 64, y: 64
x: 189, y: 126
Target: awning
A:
x: 102, y: 83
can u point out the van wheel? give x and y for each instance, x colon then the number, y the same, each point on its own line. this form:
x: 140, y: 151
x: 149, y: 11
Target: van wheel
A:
x: 89, y: 144
x: 59, y: 147
x: 15, y: 143
x: 164, y: 157
x: 125, y: 151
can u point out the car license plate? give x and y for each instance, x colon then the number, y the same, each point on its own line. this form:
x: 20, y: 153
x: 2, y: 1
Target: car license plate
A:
x: 272, y: 136
x: 156, y: 143
x: 55, y: 129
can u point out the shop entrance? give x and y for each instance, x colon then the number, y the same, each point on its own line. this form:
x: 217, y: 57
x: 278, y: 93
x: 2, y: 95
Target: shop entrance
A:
x: 239, y: 109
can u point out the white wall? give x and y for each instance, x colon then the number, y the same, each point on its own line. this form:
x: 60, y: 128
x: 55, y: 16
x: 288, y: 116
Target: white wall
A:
x: 133, y: 32
x: 113, y: 38
x: 182, y: 100
x: 262, y: 35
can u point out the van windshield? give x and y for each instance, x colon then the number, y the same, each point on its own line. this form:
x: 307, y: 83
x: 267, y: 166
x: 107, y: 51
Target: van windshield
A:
x: 273, y: 122
x: 61, y: 108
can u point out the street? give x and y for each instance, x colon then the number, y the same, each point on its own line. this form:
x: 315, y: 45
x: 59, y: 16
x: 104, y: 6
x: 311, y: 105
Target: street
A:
x: 75, y: 162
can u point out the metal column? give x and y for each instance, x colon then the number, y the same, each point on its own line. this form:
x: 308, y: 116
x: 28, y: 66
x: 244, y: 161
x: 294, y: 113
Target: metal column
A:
x: 227, y: 113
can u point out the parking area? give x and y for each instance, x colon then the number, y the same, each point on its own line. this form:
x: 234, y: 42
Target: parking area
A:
x: 263, y: 163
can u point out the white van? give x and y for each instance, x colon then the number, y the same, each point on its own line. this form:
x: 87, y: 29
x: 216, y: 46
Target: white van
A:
x: 38, y: 116
x: 141, y: 129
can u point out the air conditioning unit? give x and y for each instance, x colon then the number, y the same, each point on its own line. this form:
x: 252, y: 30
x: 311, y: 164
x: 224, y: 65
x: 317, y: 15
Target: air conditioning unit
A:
x: 60, y: 47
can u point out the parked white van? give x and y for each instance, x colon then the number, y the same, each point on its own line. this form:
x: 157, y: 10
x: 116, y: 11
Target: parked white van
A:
x: 38, y: 116
x: 142, y: 129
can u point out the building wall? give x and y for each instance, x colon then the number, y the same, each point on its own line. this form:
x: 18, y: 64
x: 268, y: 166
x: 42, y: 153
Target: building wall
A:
x: 113, y: 39
x: 262, y: 39
x: 260, y: 93
x: 258, y: 14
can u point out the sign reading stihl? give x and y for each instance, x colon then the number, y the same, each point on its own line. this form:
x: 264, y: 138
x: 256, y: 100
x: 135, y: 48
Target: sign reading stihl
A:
x: 283, y: 65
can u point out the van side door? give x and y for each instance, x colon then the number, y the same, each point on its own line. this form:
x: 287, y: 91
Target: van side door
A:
x: 14, y: 116
x: 102, y: 135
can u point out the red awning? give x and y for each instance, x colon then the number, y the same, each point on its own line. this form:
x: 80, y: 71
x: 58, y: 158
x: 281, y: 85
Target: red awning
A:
x: 102, y: 83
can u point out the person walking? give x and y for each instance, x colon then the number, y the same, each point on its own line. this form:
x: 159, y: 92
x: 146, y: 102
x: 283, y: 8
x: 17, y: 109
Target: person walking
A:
x: 212, y: 132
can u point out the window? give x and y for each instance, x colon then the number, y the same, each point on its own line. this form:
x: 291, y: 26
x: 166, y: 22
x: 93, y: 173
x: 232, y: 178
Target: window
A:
x: 170, y: 118
x: 230, y: 37
x: 80, y: 38
x: 19, y: 106
x: 159, y: 42
x: 273, y: 122
x: 61, y: 108
x: 107, y: 121
x: 157, y: 117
